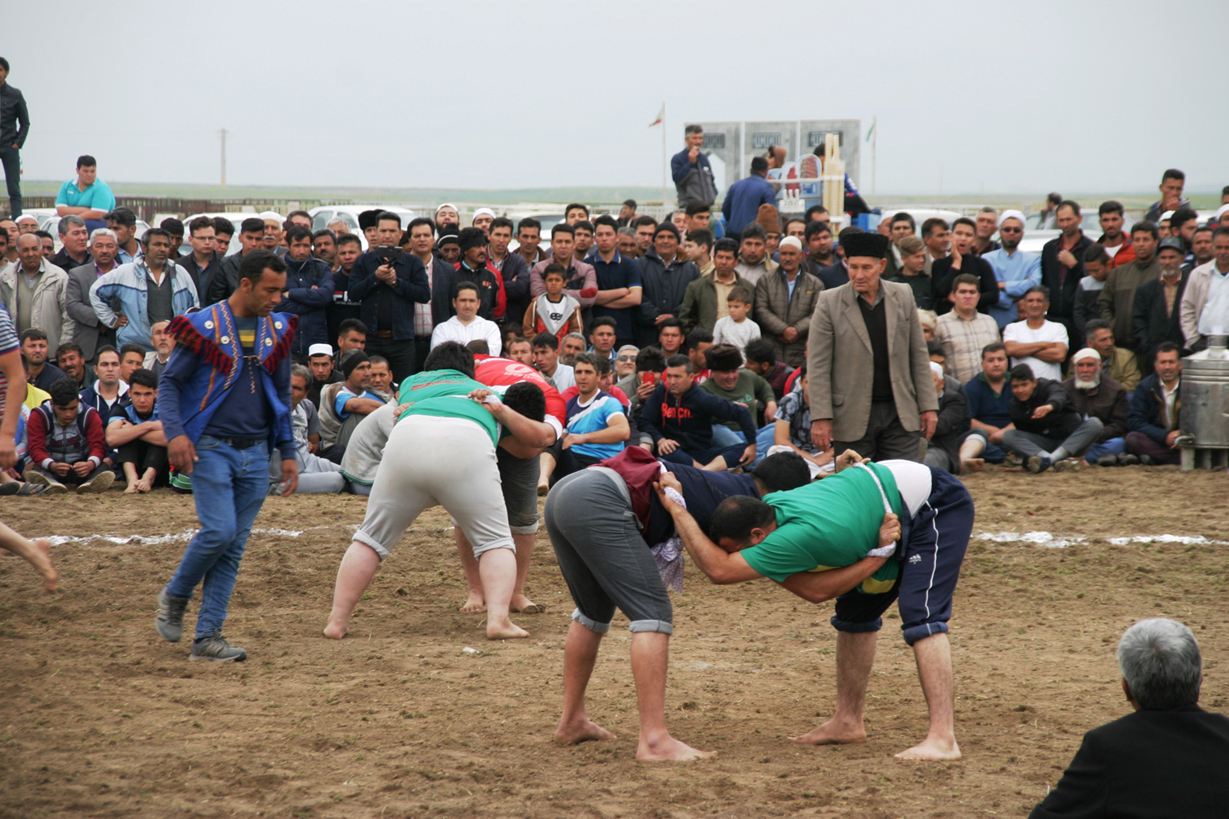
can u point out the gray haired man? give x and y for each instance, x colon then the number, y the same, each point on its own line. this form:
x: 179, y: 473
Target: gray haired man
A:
x: 1165, y: 759
x: 75, y: 237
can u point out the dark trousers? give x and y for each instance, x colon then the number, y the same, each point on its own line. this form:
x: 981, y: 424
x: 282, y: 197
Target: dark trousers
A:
x: 399, y: 352
x: 144, y: 455
x: 884, y: 438
x: 422, y: 349
x: 1140, y: 444
x: 10, y: 157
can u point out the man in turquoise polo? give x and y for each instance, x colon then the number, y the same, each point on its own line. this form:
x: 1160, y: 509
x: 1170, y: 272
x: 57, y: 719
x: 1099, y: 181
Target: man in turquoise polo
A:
x: 86, y: 196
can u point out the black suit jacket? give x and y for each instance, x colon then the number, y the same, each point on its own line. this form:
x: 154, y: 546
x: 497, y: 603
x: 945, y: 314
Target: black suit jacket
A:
x: 1150, y: 325
x: 942, y: 276
x: 1147, y: 764
x: 1062, y: 295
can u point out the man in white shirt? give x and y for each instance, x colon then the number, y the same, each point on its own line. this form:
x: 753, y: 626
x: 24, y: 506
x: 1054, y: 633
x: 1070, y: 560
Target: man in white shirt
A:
x: 1039, y: 343
x: 546, y: 361
x: 467, y: 325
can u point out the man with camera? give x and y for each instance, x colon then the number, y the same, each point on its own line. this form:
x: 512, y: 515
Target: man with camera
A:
x: 388, y: 283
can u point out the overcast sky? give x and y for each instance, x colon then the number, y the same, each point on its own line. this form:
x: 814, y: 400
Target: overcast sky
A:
x: 1005, y: 97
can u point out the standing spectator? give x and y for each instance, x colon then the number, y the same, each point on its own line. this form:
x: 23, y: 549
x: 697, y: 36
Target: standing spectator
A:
x: 698, y: 216
x: 75, y: 236
x: 67, y: 444
x: 1156, y: 404
x: 1062, y: 267
x: 913, y: 270
x: 1172, y: 183
x: 627, y: 243
x: 627, y: 213
x: 441, y: 276
x: 14, y: 128
x: 221, y: 437
x: 899, y: 226
x: 226, y: 280
x: 869, y: 329
x: 937, y: 237
x: 707, y: 298
x: 86, y: 197
x: 387, y: 292
x: 342, y: 307
x: 8, y: 240
x: 1048, y: 214
x: 555, y: 311
x: 473, y: 268
x: 581, y: 278
x: 1205, y: 303
x: 175, y: 228
x: 1116, y: 243
x: 1116, y: 363
x: 575, y: 212
x: 770, y: 220
x: 602, y: 338
x: 784, y: 302
x: 679, y: 417
x: 512, y: 269
x: 204, y: 260
x: 528, y: 237
x: 351, y: 335
x: 87, y: 331
x: 698, y: 249
x: 149, y: 290
x: 35, y: 349
x: 692, y: 173
x: 964, y: 332
x: 1097, y: 264
x: 124, y: 222
x: 583, y: 234
x: 324, y: 248
x: 47, y: 243
x: 943, y: 452
x: 754, y: 260
x: 1157, y: 312
x: 989, y: 401
x: 466, y: 325
x: 1103, y: 398
x: 1036, y: 341
x: 1117, y: 299
x: 34, y: 292
x: 645, y: 227
x: 1201, y: 248
x: 596, y: 423
x: 735, y: 329
x: 274, y: 232
x: 546, y: 361
x: 619, y: 288
x: 223, y: 231
x: 664, y: 281
x: 743, y: 199
x: 309, y: 291
x: 820, y: 252
x: 1048, y: 430
x: 986, y: 222
x: 1015, y: 269
x: 136, y: 433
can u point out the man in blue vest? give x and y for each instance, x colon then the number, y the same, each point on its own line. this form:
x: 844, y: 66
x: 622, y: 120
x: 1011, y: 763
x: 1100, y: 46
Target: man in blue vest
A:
x: 224, y: 400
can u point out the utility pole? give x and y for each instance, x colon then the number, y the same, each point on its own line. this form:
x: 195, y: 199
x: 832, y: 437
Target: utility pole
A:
x: 223, y: 133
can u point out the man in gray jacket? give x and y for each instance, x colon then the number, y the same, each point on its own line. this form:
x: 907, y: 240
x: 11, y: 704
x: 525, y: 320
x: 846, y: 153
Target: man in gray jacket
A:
x: 784, y: 302
x: 664, y: 282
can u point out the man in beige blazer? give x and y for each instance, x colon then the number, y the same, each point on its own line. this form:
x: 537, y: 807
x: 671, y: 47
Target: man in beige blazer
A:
x: 868, y: 369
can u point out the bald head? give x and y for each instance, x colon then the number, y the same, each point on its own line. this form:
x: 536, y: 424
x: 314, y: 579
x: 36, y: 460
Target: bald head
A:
x: 29, y: 251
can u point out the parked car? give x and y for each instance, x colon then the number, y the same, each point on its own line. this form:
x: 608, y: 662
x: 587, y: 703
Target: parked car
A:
x: 548, y: 221
x: 1090, y: 222
x: 322, y: 215
x: 234, y: 217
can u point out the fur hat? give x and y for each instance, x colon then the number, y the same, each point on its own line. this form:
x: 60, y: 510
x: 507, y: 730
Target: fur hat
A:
x: 873, y: 245
x: 767, y: 218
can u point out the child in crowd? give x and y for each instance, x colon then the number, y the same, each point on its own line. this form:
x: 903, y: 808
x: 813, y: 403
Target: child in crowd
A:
x: 67, y: 444
x: 555, y: 311
x: 736, y: 328
x: 135, y: 431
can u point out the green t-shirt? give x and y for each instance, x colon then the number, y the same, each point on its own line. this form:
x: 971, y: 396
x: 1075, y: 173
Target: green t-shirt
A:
x: 751, y: 391
x: 442, y: 393
x: 828, y: 524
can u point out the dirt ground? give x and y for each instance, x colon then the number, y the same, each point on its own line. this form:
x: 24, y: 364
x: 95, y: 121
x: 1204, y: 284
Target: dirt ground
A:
x: 100, y: 718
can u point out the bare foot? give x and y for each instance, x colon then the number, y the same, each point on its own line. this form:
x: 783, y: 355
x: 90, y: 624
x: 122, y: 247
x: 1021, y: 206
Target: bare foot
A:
x: 670, y: 750
x: 833, y: 733
x: 143, y: 486
x: 972, y: 464
x: 585, y: 731
x: 473, y: 604
x: 41, y: 558
x: 506, y: 630
x: 132, y: 488
x: 932, y: 749
x: 336, y: 628
x: 523, y: 605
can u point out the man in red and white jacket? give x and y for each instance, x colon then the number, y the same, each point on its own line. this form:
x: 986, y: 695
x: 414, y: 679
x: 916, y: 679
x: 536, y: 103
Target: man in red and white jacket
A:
x: 67, y: 443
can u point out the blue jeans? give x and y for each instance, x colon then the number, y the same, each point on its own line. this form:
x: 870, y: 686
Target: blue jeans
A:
x: 723, y: 436
x: 10, y: 157
x: 229, y: 486
x: 1114, y: 446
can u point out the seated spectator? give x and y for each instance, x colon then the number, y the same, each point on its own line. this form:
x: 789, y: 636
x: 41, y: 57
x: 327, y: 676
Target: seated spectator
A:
x: 639, y: 385
x: 344, y: 405
x: 1156, y: 312
x: 72, y: 363
x: 1036, y: 341
x: 625, y: 361
x: 792, y: 429
x: 67, y: 444
x: 316, y: 475
x: 913, y: 271
x: 943, y: 449
x: 466, y: 325
x: 1166, y: 758
x: 572, y: 344
x: 151, y: 289
x: 989, y: 401
x: 1116, y: 363
x: 602, y: 337
x: 1097, y: 266
x: 762, y: 360
x: 308, y: 293
x: 737, y: 328
x: 596, y: 423
x: 699, y: 341
x: 34, y: 350
x: 705, y: 300
x: 320, y: 362
x: 1152, y: 416
x: 163, y: 343
x: 963, y: 332
x: 1097, y: 396
x: 1048, y: 431
x: 107, y: 395
x: 131, y: 358
x: 366, y: 448
x: 679, y: 417
x: 546, y: 360
x: 555, y: 311
x: 729, y: 381
x: 381, y: 378
x: 135, y: 432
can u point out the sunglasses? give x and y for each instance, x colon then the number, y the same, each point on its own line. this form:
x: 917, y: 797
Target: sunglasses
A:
x: 1011, y: 230
x: 627, y: 358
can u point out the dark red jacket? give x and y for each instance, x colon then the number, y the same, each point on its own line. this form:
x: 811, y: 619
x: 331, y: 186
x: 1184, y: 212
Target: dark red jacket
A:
x: 42, y: 451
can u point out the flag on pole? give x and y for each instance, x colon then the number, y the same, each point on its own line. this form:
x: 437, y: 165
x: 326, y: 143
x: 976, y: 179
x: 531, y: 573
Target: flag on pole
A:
x: 661, y: 115
x: 871, y: 131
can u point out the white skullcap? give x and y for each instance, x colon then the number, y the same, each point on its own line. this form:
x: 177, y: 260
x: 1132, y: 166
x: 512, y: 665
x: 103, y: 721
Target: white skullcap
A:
x: 1219, y: 212
x: 791, y: 241
x: 24, y: 217
x: 1166, y: 215
x: 445, y: 205
x: 482, y: 212
x: 1087, y: 352
x: 270, y: 215
x: 936, y: 368
x: 1011, y: 214
x: 319, y: 349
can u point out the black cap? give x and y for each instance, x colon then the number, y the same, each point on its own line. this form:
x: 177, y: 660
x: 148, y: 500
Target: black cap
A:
x: 874, y: 245
x: 1173, y: 243
x: 665, y: 227
x: 369, y: 219
x: 448, y: 237
x: 351, y: 360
